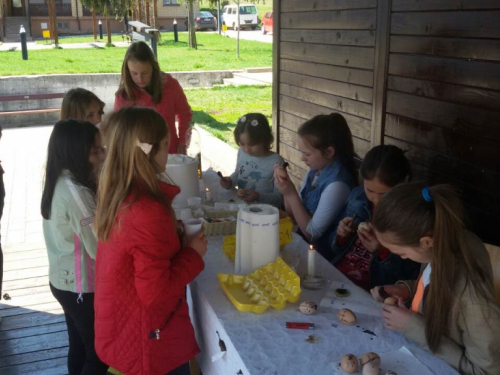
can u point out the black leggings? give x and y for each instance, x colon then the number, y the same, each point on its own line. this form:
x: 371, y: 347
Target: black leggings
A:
x: 82, y: 358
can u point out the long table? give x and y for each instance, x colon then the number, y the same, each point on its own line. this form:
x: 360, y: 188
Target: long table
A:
x: 260, y: 344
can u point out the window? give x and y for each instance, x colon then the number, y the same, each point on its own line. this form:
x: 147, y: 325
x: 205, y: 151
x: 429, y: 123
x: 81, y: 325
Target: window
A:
x: 63, y: 25
x: 250, y: 9
x: 170, y: 2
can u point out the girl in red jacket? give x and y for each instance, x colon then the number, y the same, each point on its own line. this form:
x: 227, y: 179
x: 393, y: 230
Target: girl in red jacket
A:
x: 142, y: 83
x: 143, y: 264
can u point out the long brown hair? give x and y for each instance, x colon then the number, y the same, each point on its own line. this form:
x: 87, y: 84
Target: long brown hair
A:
x: 127, y: 169
x: 76, y: 104
x: 323, y: 131
x: 140, y: 51
x: 407, y: 217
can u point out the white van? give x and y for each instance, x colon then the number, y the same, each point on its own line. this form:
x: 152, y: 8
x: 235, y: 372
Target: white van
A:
x: 248, y: 16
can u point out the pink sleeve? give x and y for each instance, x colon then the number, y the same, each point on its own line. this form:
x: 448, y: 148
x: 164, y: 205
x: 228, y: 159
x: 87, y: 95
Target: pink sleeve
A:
x: 119, y: 102
x: 182, y: 110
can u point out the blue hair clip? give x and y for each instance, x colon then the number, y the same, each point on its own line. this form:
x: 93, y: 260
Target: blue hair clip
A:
x: 426, y: 194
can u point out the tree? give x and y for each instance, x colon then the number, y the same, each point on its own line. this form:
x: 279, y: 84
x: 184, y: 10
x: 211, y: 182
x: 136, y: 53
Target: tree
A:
x: 51, y: 8
x: 94, y: 6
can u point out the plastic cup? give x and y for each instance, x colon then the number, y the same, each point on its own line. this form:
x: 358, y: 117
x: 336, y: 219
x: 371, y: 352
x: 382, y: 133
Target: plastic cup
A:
x: 192, y: 226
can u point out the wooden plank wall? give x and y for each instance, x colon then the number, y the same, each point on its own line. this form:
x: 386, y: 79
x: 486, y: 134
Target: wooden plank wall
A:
x: 438, y: 96
x: 443, y: 99
x: 326, y: 64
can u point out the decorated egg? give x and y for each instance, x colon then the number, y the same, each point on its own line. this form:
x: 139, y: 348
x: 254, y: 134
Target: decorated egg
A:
x: 308, y: 307
x: 370, y: 369
x: 349, y: 363
x: 370, y: 357
x: 365, y: 226
x: 346, y: 316
x: 393, y: 301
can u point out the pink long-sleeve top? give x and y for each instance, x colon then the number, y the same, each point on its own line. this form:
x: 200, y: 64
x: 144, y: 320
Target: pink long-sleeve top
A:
x: 173, y: 104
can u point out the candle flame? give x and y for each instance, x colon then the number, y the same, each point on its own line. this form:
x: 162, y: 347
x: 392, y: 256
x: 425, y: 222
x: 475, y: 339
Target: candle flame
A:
x: 207, y: 189
x: 311, y: 247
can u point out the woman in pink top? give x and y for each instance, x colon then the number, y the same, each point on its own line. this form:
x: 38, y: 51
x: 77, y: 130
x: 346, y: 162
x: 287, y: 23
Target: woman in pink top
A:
x: 143, y: 84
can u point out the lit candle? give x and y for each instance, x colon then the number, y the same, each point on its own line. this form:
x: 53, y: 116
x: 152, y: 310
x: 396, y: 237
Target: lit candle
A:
x: 311, y: 262
x: 208, y: 195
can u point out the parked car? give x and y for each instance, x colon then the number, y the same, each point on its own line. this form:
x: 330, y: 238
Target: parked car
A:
x: 205, y: 20
x: 248, y: 16
x: 267, y: 23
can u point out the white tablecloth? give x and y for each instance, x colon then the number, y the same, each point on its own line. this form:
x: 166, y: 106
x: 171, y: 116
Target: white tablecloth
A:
x: 260, y: 344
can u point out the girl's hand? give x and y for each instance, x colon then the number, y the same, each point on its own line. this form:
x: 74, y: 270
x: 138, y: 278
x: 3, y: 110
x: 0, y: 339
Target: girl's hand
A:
x: 398, y: 291
x: 181, y: 149
x: 346, y: 227
x: 280, y: 174
x: 226, y: 182
x: 250, y: 196
x: 282, y: 181
x: 368, y: 239
x: 396, y: 317
x: 198, y: 242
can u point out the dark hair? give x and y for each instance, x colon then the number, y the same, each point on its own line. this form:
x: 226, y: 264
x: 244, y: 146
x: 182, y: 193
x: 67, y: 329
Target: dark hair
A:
x: 323, y: 131
x: 386, y: 163
x: 76, y: 103
x: 408, y: 216
x: 141, y: 52
x: 257, y: 127
x: 69, y: 148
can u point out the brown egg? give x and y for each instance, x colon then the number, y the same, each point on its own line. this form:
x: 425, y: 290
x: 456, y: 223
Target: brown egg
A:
x: 364, y: 226
x: 346, y: 316
x: 370, y: 357
x: 308, y: 307
x: 349, y: 363
x: 393, y: 301
x: 241, y: 193
x: 281, y: 172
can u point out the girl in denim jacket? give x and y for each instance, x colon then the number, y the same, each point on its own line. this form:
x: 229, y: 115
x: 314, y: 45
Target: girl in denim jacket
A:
x: 356, y: 251
x: 326, y: 145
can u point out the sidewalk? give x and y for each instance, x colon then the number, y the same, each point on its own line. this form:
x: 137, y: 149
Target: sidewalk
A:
x: 16, y: 46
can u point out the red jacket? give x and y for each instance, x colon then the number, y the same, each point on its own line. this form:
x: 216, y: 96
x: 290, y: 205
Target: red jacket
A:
x: 141, y: 278
x: 173, y: 103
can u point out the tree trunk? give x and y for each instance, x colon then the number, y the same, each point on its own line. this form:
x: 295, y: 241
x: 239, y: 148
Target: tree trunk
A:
x: 94, y: 25
x: 148, y: 21
x: 155, y: 13
x: 191, y: 28
x: 54, y: 23
x: 51, y: 19
x: 139, y: 13
x: 108, y: 30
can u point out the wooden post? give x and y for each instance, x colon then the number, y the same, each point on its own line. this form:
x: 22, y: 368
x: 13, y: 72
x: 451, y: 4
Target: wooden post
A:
x: 148, y: 21
x: 276, y: 75
x: 155, y: 13
x: 139, y: 10
x: 380, y: 75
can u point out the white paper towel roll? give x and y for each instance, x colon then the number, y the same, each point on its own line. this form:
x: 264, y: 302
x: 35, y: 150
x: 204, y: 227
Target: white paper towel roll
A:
x: 183, y: 170
x: 257, y: 237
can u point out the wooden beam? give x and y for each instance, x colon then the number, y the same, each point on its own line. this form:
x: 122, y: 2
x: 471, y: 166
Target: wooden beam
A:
x: 380, y: 74
x: 276, y: 73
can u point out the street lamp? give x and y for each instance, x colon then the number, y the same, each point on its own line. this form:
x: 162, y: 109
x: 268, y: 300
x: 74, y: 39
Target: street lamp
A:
x: 100, y: 29
x: 24, y: 47
x: 176, y: 35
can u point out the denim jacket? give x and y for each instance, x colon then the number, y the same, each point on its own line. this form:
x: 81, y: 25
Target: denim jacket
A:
x: 311, y: 196
x: 382, y: 271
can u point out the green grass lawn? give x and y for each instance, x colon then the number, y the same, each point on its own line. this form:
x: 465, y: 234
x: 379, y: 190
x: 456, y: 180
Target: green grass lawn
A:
x: 214, y: 52
x: 83, y: 39
x: 217, y: 109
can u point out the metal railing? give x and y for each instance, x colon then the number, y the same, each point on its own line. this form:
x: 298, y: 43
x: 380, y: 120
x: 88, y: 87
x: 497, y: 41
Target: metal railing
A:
x: 42, y: 10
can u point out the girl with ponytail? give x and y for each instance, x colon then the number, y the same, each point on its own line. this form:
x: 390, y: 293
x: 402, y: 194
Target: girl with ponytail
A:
x: 453, y: 309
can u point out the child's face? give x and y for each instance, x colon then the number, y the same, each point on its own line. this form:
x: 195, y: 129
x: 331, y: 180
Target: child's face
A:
x: 141, y: 73
x: 161, y: 156
x: 251, y: 148
x: 313, y: 157
x: 420, y: 253
x: 375, y: 190
x: 94, y: 113
x: 96, y: 155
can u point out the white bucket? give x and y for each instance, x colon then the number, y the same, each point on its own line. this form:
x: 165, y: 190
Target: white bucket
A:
x: 183, y: 170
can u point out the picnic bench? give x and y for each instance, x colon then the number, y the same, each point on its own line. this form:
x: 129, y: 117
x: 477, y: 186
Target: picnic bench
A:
x: 27, y: 107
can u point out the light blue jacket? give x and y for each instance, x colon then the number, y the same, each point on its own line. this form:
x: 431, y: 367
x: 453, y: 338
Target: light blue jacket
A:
x: 70, y: 236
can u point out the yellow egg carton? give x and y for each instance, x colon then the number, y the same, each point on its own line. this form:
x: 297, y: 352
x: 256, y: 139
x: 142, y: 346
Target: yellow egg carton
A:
x: 271, y: 285
x: 286, y: 226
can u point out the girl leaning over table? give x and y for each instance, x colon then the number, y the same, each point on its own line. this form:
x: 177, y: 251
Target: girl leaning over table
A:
x: 142, y: 83
x: 453, y: 311
x: 68, y: 207
x: 143, y: 262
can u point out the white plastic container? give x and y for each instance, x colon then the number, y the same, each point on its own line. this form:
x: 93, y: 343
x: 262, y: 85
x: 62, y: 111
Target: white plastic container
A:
x: 183, y: 170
